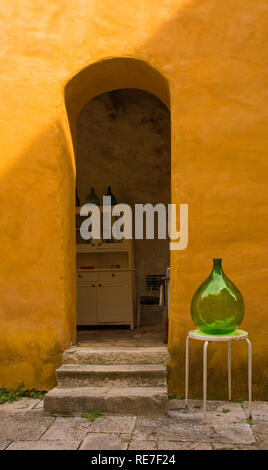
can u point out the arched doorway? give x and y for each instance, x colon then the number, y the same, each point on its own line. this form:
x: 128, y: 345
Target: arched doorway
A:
x: 123, y: 142
x: 118, y: 79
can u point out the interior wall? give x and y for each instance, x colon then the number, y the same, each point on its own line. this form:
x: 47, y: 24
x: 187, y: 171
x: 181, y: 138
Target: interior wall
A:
x: 123, y: 141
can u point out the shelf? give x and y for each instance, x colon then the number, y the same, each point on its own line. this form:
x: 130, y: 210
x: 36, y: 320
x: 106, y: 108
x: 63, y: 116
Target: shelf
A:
x: 104, y: 248
x: 97, y: 269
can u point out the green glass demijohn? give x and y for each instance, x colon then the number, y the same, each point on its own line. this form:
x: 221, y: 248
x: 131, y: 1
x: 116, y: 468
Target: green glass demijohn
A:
x: 217, y: 307
x: 93, y: 198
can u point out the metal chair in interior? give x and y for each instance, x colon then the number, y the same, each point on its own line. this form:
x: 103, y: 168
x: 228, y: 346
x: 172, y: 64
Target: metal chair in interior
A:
x: 152, y: 296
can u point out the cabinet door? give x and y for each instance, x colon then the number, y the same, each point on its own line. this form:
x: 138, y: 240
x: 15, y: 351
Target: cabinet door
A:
x: 115, y: 303
x: 87, y: 305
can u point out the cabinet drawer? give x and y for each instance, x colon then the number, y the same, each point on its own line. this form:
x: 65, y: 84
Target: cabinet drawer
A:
x: 86, y: 277
x: 115, y: 276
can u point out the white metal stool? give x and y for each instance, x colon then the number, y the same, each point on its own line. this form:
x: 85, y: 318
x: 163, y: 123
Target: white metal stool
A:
x: 238, y: 335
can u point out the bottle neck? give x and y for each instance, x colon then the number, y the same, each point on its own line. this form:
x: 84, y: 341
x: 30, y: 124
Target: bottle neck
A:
x: 217, y: 267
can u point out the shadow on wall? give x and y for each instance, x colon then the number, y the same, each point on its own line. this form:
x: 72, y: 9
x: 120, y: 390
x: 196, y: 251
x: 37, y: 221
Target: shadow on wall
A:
x: 37, y: 311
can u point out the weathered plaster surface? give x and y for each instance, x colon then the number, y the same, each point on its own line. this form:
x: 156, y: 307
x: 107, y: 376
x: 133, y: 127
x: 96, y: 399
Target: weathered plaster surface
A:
x: 214, y: 57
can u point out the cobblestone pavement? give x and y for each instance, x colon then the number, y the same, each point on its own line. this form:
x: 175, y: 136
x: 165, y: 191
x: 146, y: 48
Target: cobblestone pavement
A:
x: 24, y: 426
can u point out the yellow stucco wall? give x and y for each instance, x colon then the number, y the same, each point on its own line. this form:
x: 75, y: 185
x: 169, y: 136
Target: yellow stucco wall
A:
x: 212, y: 57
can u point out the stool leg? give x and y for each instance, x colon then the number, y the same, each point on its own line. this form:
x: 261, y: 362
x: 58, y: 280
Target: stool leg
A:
x: 187, y: 370
x: 249, y: 378
x: 229, y: 371
x: 205, y: 381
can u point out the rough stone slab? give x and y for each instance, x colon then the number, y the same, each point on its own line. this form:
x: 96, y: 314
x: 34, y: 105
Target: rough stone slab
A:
x: 116, y: 355
x: 40, y: 405
x: 100, y: 441
x: 73, y: 375
x: 4, y: 444
x: 238, y: 433
x: 142, y: 445
x: 260, y: 431
x: 217, y: 416
x: 259, y: 410
x: 193, y: 413
x: 169, y: 445
x: 169, y: 429
x: 67, y: 428
x: 45, y: 445
x: 139, y: 401
x: 114, y: 424
x: 34, y: 431
x: 225, y: 446
x: 18, y: 427
x: 21, y: 406
x: 194, y: 405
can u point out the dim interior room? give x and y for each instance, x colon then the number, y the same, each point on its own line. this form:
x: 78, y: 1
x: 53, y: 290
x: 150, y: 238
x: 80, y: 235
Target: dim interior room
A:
x: 123, y: 143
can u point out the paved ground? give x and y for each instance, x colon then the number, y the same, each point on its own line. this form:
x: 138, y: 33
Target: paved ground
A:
x: 150, y: 335
x: 24, y: 426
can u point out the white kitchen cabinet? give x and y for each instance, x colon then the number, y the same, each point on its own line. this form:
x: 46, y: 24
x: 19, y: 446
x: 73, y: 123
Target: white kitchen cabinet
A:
x: 105, y: 297
x: 106, y: 285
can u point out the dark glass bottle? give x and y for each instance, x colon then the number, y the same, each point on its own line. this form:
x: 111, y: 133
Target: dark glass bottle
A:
x: 93, y: 198
x: 113, y: 198
x: 217, y: 306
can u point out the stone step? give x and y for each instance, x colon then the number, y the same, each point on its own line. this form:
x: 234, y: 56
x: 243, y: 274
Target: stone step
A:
x: 116, y: 355
x: 142, y: 375
x: 139, y: 401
